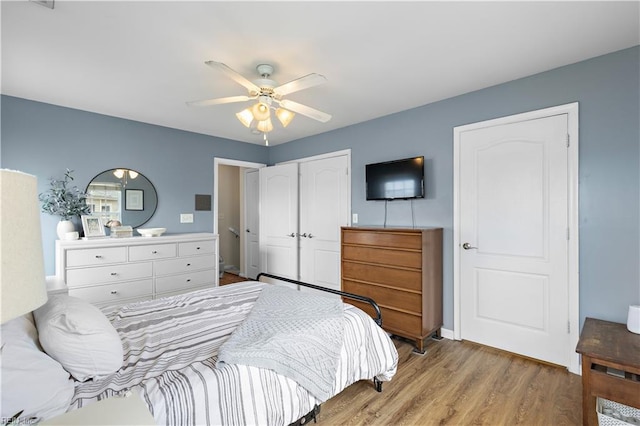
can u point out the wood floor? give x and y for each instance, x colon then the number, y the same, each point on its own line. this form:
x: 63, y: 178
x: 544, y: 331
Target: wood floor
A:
x: 461, y: 383
x: 228, y: 278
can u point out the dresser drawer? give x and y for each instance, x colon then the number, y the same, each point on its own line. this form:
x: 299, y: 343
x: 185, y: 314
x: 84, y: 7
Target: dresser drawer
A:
x: 108, y: 293
x: 185, y: 281
x: 383, y: 256
x: 395, y: 277
x: 391, y: 297
x: 151, y: 252
x: 196, y: 247
x: 402, y: 323
x: 96, y: 256
x: 106, y: 274
x: 389, y: 239
x: 180, y: 265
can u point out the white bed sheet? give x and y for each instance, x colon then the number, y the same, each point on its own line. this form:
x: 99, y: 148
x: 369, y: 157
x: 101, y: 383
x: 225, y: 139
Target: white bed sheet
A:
x: 170, y: 351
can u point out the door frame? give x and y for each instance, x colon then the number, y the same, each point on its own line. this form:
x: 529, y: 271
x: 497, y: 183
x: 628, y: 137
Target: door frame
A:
x: 573, y: 278
x: 227, y: 162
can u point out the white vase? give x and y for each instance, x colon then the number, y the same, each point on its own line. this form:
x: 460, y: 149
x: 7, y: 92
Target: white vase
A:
x: 63, y: 227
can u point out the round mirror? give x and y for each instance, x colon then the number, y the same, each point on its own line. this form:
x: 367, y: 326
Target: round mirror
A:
x: 122, y: 195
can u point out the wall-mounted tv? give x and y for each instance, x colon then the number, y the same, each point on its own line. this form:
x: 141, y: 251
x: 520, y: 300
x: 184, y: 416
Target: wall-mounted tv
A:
x: 395, y: 180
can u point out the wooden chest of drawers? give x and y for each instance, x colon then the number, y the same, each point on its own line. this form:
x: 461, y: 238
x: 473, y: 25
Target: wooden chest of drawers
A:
x: 401, y: 269
x: 122, y: 270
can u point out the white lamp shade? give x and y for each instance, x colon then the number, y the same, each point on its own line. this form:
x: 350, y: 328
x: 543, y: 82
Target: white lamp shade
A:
x: 260, y: 111
x: 245, y: 117
x: 133, y: 174
x: 22, y: 279
x: 265, y: 126
x: 285, y: 116
x: 119, y: 173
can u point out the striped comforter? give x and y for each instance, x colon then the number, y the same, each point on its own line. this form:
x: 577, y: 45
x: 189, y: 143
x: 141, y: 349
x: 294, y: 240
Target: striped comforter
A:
x: 170, y: 352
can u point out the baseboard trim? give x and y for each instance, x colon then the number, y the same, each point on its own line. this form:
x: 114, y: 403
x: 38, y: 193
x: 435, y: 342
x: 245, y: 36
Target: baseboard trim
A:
x: 446, y: 333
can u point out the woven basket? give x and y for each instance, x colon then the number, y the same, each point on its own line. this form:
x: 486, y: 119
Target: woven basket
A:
x: 615, y: 414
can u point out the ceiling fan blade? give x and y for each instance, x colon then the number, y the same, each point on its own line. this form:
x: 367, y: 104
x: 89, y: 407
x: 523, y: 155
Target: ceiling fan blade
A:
x: 301, y: 83
x: 218, y: 101
x: 305, y: 110
x: 252, y: 88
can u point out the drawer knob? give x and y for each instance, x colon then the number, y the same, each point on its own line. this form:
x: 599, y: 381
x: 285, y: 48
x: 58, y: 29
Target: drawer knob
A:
x: 188, y: 280
x: 154, y: 252
x: 114, y: 292
x: 98, y: 256
x: 197, y: 248
x: 188, y: 264
x: 113, y: 274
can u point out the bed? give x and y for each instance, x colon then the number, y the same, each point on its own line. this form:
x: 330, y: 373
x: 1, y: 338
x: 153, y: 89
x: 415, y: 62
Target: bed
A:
x: 170, y: 350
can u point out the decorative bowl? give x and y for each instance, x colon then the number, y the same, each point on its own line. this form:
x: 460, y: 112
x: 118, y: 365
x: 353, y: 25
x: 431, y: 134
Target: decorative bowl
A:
x: 151, y: 232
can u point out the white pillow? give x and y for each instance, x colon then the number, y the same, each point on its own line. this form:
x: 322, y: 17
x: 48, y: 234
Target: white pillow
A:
x: 79, y: 336
x: 31, y: 380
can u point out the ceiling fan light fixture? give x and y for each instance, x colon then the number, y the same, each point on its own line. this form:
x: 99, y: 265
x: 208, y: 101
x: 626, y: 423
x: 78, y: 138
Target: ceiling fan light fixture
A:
x: 119, y: 173
x: 285, y: 116
x: 265, y: 126
x: 245, y: 116
x: 260, y: 111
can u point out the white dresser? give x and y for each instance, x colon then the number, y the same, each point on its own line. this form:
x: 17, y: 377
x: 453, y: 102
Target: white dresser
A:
x: 121, y: 270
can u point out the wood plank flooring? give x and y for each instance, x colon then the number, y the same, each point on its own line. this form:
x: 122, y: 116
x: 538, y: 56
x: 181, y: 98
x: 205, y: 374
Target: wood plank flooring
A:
x: 461, y: 383
x: 229, y: 278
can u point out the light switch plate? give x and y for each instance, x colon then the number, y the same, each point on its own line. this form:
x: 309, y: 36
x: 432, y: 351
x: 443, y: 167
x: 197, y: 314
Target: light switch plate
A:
x: 354, y: 218
x: 186, y: 218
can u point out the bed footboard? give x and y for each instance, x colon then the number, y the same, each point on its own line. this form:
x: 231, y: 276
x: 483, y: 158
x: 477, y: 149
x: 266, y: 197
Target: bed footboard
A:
x: 353, y: 296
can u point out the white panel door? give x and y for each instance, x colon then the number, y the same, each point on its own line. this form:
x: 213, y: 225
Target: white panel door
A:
x: 513, y: 234
x: 279, y: 220
x: 252, y: 223
x: 324, y: 208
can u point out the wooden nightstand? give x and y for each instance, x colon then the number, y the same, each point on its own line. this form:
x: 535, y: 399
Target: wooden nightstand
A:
x: 604, y: 345
x: 127, y: 410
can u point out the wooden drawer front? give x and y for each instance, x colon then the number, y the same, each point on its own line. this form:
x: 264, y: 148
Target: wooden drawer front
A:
x: 388, y: 239
x: 114, y: 292
x: 401, y: 278
x: 151, y: 252
x: 105, y: 274
x: 196, y: 247
x: 409, y: 259
x: 96, y: 256
x: 403, y: 324
x: 183, y: 281
x: 386, y: 296
x: 175, y: 266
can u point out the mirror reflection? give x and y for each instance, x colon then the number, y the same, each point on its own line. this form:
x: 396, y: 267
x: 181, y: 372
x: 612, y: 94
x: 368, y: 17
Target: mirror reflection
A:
x: 122, y: 195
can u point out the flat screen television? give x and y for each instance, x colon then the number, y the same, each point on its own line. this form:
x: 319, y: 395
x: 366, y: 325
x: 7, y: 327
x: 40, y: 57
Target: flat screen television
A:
x: 395, y: 180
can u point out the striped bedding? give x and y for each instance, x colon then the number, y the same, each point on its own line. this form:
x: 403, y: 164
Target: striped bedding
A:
x: 170, y: 352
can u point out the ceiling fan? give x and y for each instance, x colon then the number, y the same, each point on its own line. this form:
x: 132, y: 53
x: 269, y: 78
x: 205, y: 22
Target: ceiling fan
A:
x: 268, y: 94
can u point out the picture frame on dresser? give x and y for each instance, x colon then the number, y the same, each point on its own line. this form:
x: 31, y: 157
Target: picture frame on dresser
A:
x: 134, y: 199
x: 93, y: 226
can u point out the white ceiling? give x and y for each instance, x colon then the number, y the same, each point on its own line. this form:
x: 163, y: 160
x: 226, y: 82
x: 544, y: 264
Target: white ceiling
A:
x: 143, y: 60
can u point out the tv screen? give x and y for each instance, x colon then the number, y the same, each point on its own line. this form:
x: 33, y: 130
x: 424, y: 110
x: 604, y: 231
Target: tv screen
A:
x: 393, y: 180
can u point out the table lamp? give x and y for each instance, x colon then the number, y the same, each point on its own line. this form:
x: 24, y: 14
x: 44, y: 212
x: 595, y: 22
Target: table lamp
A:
x: 22, y: 280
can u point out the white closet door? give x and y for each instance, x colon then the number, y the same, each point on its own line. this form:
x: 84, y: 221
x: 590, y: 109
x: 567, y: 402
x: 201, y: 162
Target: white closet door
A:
x: 279, y: 220
x: 324, y: 208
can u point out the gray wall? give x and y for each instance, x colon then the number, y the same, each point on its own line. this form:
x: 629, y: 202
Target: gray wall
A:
x: 44, y: 140
x: 608, y: 91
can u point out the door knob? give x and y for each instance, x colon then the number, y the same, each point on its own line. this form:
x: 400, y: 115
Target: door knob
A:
x: 466, y: 246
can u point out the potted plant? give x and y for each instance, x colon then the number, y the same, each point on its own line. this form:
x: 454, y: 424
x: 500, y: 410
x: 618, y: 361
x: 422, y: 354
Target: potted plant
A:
x: 65, y: 201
